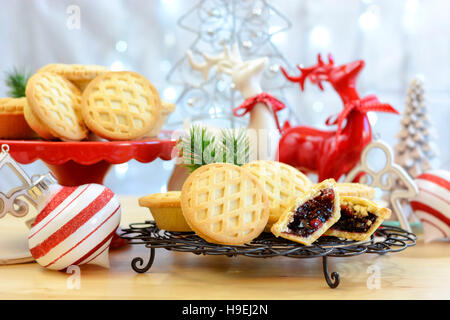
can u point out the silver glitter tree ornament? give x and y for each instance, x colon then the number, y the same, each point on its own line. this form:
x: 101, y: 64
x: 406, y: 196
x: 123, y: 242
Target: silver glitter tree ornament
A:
x: 415, y: 150
x: 249, y: 24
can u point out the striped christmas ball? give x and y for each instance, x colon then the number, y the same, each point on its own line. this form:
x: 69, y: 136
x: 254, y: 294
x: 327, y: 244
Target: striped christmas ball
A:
x: 75, y: 227
x: 432, y: 204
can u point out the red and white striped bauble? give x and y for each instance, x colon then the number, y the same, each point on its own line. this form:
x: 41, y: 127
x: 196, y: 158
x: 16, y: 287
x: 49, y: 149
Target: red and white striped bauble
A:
x: 75, y: 227
x: 432, y: 204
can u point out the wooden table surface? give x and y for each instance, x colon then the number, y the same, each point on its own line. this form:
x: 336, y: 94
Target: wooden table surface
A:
x: 420, y: 272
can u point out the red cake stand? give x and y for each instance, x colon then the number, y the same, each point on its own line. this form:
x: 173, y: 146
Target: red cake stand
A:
x: 78, y: 163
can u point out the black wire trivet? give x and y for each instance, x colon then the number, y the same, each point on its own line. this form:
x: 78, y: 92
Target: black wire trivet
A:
x: 386, y: 239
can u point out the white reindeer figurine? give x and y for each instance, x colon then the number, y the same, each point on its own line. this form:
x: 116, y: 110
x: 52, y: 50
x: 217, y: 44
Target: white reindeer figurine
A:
x: 246, y: 76
x: 262, y: 131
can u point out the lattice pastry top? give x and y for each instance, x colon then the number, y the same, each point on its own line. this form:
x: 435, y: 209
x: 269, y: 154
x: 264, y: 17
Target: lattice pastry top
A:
x: 75, y: 72
x: 224, y: 204
x: 282, y: 183
x: 56, y: 102
x: 121, y: 106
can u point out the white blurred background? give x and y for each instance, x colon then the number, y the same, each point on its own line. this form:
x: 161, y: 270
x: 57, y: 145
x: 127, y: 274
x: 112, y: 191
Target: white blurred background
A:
x: 397, y: 39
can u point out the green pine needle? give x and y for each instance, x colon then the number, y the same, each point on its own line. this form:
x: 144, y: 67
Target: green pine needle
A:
x: 197, y: 147
x: 201, y: 147
x: 236, y: 146
x: 16, y: 80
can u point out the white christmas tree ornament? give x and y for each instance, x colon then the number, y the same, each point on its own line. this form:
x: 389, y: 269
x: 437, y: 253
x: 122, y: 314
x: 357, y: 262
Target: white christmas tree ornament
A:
x: 415, y: 150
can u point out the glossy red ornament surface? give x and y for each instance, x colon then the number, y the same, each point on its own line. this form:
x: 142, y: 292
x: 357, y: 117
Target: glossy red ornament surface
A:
x: 331, y: 154
x: 78, y: 163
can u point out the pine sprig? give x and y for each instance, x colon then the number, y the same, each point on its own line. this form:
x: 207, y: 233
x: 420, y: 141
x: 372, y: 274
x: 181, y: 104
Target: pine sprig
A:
x: 201, y: 147
x: 16, y: 80
x: 235, y: 146
x: 197, y: 147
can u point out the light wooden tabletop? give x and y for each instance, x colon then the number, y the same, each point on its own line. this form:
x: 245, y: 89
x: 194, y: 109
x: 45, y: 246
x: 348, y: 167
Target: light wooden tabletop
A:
x: 420, y: 272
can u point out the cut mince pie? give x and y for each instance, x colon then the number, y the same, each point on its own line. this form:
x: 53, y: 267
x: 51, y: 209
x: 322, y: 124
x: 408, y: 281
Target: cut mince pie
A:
x: 360, y: 218
x: 310, y: 215
x: 355, y: 190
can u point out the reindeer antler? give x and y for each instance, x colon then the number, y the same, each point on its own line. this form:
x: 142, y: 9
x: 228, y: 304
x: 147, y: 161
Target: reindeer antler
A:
x: 205, y: 67
x: 316, y: 74
x: 225, y: 61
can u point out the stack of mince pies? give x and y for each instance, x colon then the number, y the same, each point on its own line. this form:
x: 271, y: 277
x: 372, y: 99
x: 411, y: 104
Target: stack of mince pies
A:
x: 68, y: 102
x: 232, y: 205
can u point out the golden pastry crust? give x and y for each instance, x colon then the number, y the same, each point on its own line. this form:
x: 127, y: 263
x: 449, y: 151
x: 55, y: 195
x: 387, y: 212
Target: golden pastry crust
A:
x: 37, y: 125
x: 12, y: 105
x: 170, y: 219
x: 12, y: 119
x: 80, y: 75
x: 121, y: 106
x: 75, y: 71
x: 355, y: 190
x: 55, y: 103
x: 282, y: 184
x: 166, y: 211
x: 4, y: 101
x: 7, y: 109
x: 279, y: 229
x: 171, y: 199
x: 166, y: 109
x: 361, y: 207
x: 224, y: 204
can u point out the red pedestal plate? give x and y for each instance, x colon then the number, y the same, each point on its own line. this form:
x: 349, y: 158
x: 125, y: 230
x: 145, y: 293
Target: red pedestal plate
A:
x: 78, y: 163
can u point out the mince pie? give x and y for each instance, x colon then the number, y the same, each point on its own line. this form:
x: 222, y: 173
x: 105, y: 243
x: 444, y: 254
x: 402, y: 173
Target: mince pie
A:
x: 360, y: 218
x: 310, y: 215
x: 355, y: 190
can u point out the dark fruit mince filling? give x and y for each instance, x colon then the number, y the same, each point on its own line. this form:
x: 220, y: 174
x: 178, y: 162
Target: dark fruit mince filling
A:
x: 349, y: 222
x: 312, y: 214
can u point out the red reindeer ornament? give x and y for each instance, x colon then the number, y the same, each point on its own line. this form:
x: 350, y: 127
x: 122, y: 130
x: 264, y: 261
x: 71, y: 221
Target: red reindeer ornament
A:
x: 331, y: 154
